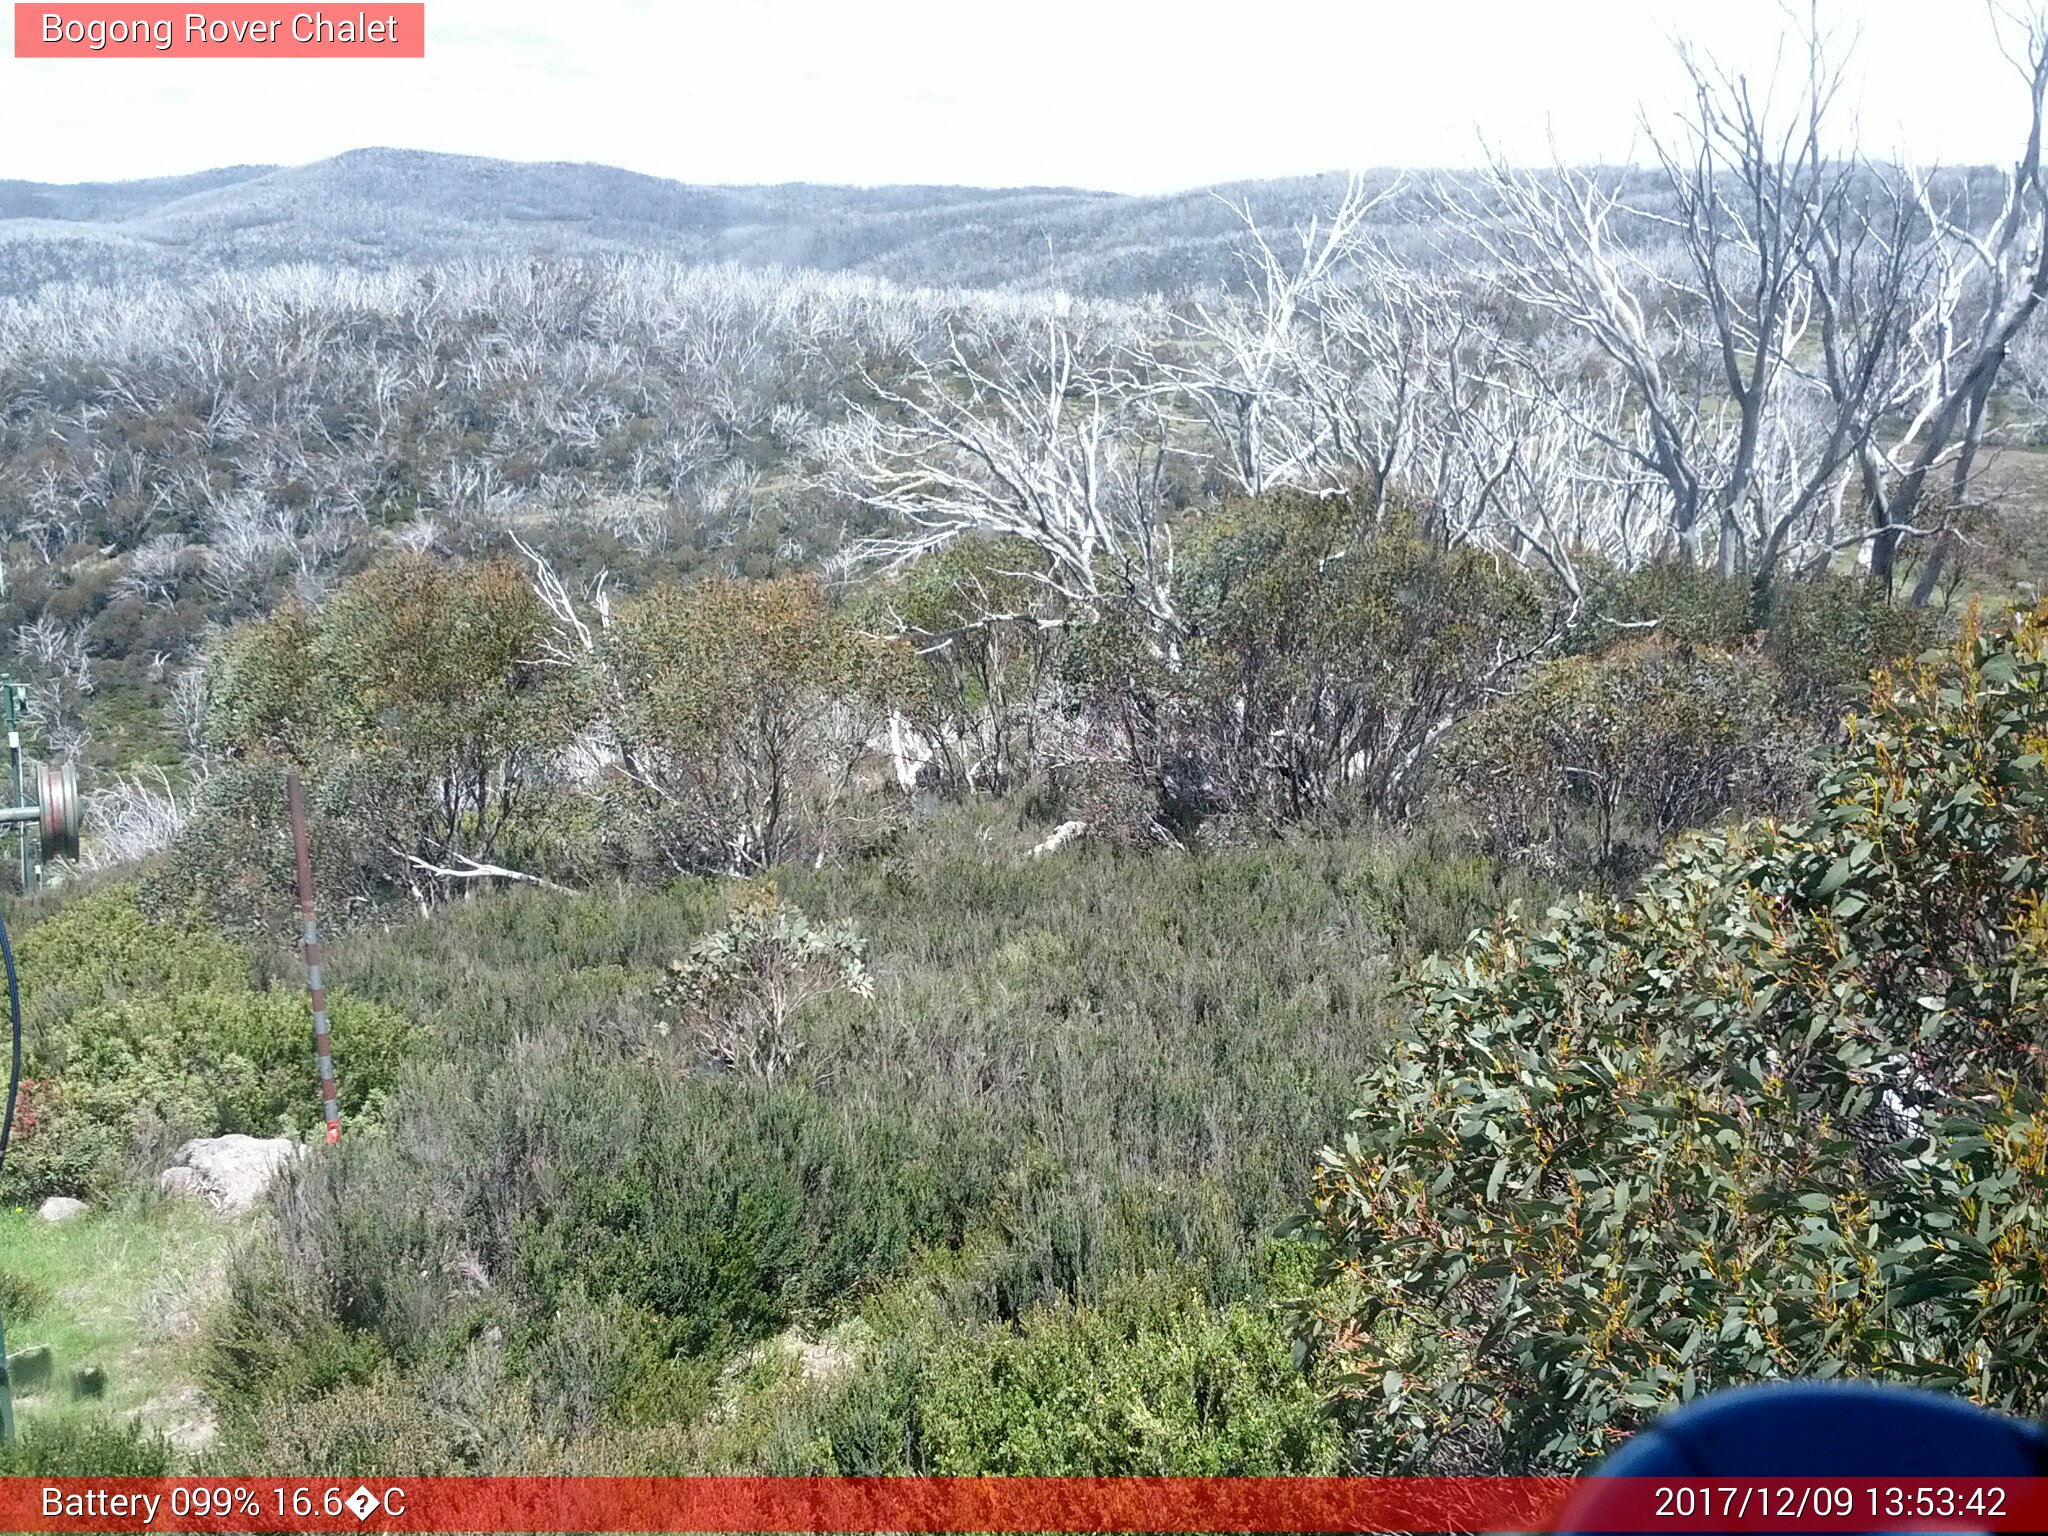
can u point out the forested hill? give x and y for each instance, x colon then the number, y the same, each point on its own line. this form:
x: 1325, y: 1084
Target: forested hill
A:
x: 372, y: 207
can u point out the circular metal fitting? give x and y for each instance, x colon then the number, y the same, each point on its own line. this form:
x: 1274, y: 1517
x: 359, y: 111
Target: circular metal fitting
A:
x: 61, y: 811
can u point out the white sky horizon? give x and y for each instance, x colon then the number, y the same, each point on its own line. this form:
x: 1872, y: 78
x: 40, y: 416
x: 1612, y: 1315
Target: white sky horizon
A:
x: 1134, y: 96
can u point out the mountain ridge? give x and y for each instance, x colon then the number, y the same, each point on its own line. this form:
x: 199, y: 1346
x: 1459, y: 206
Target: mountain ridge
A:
x: 379, y: 206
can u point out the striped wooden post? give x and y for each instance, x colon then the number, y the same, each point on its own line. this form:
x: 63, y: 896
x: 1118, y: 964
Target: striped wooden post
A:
x: 323, y: 1047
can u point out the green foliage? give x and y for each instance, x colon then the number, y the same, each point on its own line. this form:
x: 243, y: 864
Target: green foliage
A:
x: 1327, y: 652
x: 232, y: 867
x: 1322, y: 651
x: 745, y: 709
x: 1780, y: 1114
x: 411, y: 658
x: 472, y: 1420
x: 21, y: 1296
x: 1652, y: 736
x: 609, y: 1362
x: 738, y: 991
x: 1827, y: 636
x: 1072, y: 1071
x: 1690, y: 604
x: 142, y: 1034
x: 1824, y: 634
x: 735, y: 1228
x: 105, y: 945
x: 1427, y: 890
x: 268, y: 1343
x: 993, y: 644
x: 1152, y: 1383
x: 421, y: 702
x: 86, y: 1447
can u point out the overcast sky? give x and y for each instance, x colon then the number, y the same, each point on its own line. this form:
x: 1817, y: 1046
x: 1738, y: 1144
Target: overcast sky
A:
x: 1128, y: 95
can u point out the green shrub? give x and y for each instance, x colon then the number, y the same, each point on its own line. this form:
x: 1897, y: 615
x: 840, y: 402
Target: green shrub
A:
x: 143, y: 1034
x: 860, y: 1425
x: 1427, y: 891
x: 1152, y: 1383
x: 363, y: 1279
x: 990, y: 684
x: 85, y: 1447
x: 1327, y: 651
x: 232, y: 866
x: 737, y: 993
x: 1778, y: 1115
x: 1690, y: 604
x: 21, y: 1296
x: 469, y: 1419
x: 601, y: 1364
x: 1829, y: 634
x: 736, y: 1208
x: 1645, y: 740
x: 715, y: 1211
x: 1824, y: 634
x: 220, y: 1061
x: 104, y: 947
x: 428, y: 710
x: 744, y: 714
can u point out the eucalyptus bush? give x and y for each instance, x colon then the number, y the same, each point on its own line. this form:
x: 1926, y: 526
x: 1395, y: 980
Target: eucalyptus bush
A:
x: 992, y: 642
x: 1638, y: 742
x: 1778, y: 1114
x: 1330, y: 649
x: 432, y: 718
x: 738, y: 991
x: 749, y: 718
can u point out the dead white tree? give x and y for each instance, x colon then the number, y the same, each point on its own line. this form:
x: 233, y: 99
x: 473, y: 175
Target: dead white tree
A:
x: 1256, y: 365
x: 187, y: 709
x: 1021, y: 437
x: 152, y: 570
x: 130, y: 819
x: 1377, y: 349
x: 1817, y: 323
x: 2001, y: 274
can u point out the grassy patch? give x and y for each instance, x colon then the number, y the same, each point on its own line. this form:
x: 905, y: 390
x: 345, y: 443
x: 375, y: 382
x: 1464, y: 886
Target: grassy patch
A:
x: 120, y: 1290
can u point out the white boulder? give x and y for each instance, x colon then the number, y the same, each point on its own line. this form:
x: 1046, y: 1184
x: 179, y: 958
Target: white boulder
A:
x: 231, y: 1173
x: 61, y: 1208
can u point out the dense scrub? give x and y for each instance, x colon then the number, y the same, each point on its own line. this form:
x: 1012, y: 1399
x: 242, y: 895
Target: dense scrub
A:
x: 1072, y: 1074
x: 961, y: 1132
x: 142, y: 1034
x: 460, y: 723
x: 1779, y: 1113
x: 86, y: 1448
x: 684, y: 667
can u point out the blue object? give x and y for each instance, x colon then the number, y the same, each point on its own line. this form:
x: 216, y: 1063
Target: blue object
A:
x: 1824, y: 1429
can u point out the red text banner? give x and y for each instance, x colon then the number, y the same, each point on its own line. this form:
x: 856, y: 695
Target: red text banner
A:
x: 224, y: 31
x: 942, y: 1504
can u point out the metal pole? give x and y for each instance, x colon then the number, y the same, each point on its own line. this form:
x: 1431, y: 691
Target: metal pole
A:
x: 323, y: 1050
x: 6, y: 1394
x: 12, y: 689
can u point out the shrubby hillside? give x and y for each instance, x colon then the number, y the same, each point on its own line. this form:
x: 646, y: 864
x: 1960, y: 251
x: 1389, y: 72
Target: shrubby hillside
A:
x: 875, y: 822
